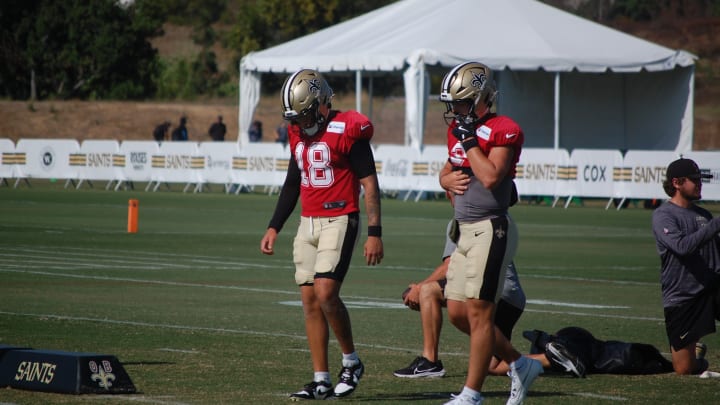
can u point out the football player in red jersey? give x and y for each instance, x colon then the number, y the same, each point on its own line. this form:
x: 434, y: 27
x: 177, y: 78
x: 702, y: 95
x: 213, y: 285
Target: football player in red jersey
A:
x: 331, y: 160
x: 486, y: 147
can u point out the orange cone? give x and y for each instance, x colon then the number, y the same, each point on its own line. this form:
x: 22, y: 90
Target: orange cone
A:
x: 132, y: 216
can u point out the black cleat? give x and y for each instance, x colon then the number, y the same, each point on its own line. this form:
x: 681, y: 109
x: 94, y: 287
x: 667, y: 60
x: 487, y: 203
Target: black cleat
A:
x: 421, y: 368
x: 313, y: 390
x: 349, y: 378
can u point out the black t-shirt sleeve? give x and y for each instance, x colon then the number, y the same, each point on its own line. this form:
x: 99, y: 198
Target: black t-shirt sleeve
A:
x: 288, y: 198
x: 362, y: 160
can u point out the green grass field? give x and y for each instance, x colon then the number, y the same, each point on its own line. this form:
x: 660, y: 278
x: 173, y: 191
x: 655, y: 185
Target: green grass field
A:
x: 198, y: 316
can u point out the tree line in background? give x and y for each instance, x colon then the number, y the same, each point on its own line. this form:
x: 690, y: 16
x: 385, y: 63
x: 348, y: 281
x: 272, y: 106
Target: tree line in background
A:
x: 101, y: 49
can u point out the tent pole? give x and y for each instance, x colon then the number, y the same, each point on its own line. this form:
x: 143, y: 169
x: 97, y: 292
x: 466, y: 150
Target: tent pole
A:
x: 370, y: 97
x: 358, y: 91
x: 556, y: 118
x: 422, y: 104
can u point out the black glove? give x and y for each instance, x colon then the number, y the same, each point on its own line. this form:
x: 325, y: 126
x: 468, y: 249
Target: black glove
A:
x: 465, y: 133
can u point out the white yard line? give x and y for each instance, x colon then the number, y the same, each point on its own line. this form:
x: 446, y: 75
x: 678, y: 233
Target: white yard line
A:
x: 189, y: 328
x: 146, y: 281
x: 597, y: 315
x: 138, y: 398
x: 167, y: 349
x: 574, y: 304
x: 598, y: 396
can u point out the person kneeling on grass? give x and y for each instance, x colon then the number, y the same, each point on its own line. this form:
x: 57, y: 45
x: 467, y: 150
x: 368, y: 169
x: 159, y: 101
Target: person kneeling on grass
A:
x: 688, y: 242
x: 427, y: 297
x: 571, y: 350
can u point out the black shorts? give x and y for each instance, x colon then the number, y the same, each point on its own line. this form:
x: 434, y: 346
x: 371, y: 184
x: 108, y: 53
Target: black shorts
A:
x: 506, y: 315
x: 686, y: 323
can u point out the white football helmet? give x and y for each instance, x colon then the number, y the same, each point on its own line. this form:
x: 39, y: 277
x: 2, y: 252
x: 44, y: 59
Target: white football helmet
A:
x: 471, y: 82
x: 302, y: 93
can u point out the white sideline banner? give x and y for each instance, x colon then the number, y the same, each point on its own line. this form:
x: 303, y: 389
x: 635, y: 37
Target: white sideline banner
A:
x: 99, y: 160
x: 594, y: 169
x: 138, y: 159
x: 642, y: 174
x: 8, y: 159
x: 178, y: 162
x: 541, y: 171
x: 709, y: 162
x: 426, y: 170
x: 260, y: 164
x: 394, y: 165
x: 47, y: 158
x: 600, y: 173
x: 218, y: 161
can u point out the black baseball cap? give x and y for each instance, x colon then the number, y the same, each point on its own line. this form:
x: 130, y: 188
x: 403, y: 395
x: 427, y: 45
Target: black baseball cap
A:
x: 686, y: 168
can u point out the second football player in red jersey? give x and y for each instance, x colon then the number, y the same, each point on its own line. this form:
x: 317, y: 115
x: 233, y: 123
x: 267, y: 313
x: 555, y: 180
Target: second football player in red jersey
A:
x: 486, y: 147
x: 331, y: 160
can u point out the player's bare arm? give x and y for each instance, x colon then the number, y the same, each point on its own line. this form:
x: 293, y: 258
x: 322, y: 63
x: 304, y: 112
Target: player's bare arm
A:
x: 268, y: 241
x: 453, y: 181
x: 373, y: 250
x: 490, y: 169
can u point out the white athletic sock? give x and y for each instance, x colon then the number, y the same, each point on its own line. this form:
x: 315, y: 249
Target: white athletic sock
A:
x: 350, y: 360
x: 321, y: 376
x: 471, y: 393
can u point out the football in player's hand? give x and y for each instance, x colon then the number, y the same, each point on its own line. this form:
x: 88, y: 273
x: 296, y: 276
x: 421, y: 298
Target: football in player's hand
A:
x: 405, y: 293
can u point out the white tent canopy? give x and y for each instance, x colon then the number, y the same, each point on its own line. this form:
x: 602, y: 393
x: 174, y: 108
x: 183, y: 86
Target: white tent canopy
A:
x: 568, y: 81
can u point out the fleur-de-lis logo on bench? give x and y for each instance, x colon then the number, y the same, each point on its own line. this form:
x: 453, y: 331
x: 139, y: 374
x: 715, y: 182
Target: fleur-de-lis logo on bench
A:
x: 103, y: 375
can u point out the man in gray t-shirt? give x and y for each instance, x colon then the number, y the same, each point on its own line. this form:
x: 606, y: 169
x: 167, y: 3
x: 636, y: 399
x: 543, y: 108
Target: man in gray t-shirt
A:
x: 689, y: 247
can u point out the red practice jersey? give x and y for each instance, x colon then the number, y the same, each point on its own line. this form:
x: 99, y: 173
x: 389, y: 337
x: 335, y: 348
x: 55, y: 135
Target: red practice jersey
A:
x: 328, y: 185
x: 496, y: 131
